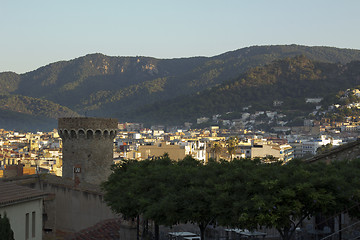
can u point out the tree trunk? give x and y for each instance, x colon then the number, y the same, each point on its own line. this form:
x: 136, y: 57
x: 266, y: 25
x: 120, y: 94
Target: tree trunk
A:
x: 340, y: 233
x: 145, y: 229
x: 286, y: 234
x: 138, y: 228
x: 202, y: 231
x: 156, y: 231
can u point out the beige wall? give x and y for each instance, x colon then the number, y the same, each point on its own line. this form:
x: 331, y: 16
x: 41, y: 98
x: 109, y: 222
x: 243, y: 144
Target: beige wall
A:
x: 175, y: 152
x: 17, y: 216
x: 264, y: 151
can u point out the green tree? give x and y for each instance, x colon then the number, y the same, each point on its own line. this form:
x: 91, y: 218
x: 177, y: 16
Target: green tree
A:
x: 282, y: 196
x: 5, y: 229
x: 163, y: 191
x: 143, y: 188
x: 241, y: 193
x: 324, y: 148
x: 158, y: 199
x: 231, y: 185
x: 122, y: 189
x: 216, y: 149
x: 196, y: 192
x: 231, y: 145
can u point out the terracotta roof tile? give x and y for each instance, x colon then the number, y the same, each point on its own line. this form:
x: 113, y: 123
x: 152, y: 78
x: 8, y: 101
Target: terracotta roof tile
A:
x: 105, y: 230
x: 10, y: 192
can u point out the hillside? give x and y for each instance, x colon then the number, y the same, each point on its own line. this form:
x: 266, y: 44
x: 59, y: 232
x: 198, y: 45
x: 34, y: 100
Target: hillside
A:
x: 104, y: 86
x: 290, y: 81
x: 22, y: 112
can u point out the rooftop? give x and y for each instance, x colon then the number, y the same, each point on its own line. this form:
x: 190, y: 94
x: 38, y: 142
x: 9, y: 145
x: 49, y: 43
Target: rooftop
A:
x: 11, y: 193
x: 105, y: 230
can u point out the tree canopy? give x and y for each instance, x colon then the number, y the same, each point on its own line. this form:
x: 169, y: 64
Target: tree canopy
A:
x: 241, y: 193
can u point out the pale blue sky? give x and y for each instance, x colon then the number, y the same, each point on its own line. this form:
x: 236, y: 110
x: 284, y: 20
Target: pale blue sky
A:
x: 34, y: 33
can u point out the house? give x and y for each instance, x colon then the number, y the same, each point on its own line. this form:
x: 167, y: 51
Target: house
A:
x: 313, y: 100
x: 157, y: 150
x: 310, y: 147
x: 277, y: 103
x: 24, y: 208
x: 196, y: 149
x: 202, y: 120
x: 282, y: 152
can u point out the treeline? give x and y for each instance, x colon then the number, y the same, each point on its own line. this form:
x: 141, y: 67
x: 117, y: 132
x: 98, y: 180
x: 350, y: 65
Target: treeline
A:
x: 240, y: 193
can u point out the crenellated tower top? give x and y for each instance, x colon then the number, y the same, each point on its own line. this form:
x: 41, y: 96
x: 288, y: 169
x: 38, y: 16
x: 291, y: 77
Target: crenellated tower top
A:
x: 88, y: 128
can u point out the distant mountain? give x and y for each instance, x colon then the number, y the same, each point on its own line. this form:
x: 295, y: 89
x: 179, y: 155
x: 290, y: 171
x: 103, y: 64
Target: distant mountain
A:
x: 34, y: 106
x: 104, y: 86
x: 28, y: 113
x: 289, y: 80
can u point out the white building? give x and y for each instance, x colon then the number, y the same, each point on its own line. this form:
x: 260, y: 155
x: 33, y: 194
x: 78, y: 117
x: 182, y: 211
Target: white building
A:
x: 311, y: 146
x: 158, y: 132
x: 196, y: 149
x: 313, y: 100
x: 349, y: 128
x: 202, y: 120
x: 24, y: 208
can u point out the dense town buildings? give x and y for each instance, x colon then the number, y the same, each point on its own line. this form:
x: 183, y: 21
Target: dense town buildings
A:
x: 28, y: 153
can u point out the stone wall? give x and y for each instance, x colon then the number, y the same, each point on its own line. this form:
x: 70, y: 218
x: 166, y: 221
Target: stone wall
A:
x: 347, y: 151
x: 76, y: 209
x: 87, y: 148
x: 87, y: 123
x: 68, y: 208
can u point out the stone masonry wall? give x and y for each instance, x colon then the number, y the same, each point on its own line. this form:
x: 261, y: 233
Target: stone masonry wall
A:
x: 347, y: 151
x: 87, y: 148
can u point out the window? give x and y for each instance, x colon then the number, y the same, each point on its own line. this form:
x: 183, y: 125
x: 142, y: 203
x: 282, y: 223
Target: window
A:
x: 27, y: 226
x: 33, y: 216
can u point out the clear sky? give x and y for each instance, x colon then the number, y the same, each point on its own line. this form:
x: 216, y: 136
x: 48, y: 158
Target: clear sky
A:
x: 34, y: 33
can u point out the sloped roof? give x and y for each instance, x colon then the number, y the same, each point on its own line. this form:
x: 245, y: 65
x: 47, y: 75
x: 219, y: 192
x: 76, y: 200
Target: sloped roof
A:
x: 105, y: 230
x: 11, y: 193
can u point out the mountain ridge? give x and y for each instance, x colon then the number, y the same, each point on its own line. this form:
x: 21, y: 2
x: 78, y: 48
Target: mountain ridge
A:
x: 289, y: 81
x: 108, y: 86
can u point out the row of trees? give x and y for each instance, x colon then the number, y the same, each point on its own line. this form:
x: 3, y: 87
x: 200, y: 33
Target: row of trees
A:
x: 239, y: 193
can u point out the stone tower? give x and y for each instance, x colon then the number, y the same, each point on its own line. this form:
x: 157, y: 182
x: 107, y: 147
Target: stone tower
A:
x: 87, y: 148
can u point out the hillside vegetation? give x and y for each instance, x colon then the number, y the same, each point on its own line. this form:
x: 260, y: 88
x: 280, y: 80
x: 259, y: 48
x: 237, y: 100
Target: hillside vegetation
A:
x: 290, y: 81
x: 120, y: 87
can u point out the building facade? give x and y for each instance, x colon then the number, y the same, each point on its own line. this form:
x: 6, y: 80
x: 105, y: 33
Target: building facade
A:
x: 24, y: 208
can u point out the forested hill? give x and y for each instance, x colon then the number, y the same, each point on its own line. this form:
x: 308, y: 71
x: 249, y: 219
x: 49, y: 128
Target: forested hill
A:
x: 104, y: 86
x: 27, y: 113
x: 289, y: 80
